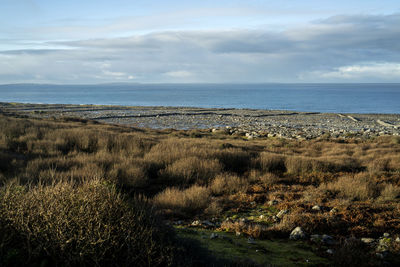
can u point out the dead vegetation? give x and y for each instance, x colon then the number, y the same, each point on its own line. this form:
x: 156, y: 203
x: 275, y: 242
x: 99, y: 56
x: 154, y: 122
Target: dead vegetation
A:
x: 186, y: 174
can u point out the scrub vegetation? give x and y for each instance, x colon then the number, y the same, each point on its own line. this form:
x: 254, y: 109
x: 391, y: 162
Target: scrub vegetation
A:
x: 77, y: 192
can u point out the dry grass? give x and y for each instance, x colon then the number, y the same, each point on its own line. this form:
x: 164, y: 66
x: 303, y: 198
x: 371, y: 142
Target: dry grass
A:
x: 192, y: 169
x: 188, y: 201
x: 68, y: 225
x: 188, y: 176
x: 228, y: 184
x: 354, y: 187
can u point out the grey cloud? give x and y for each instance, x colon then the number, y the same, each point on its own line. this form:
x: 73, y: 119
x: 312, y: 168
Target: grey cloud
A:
x: 220, y: 56
x: 30, y: 51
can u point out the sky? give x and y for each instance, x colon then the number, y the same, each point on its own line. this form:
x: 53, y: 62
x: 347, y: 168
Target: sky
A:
x: 235, y: 41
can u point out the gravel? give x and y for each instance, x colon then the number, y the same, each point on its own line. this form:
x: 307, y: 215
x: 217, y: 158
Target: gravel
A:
x: 248, y: 123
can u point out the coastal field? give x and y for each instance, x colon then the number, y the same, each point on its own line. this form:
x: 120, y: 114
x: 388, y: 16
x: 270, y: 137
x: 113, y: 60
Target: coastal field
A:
x: 79, y: 191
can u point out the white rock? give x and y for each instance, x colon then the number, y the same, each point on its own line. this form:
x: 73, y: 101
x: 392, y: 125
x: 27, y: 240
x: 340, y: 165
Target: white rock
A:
x: 367, y: 240
x: 316, y: 208
x: 297, y: 234
x: 196, y: 223
x: 281, y: 213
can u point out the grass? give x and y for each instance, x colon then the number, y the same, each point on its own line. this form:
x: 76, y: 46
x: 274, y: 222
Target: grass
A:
x: 76, y: 171
x: 276, y: 252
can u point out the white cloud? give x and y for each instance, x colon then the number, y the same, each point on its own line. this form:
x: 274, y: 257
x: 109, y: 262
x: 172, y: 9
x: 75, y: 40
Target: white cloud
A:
x: 358, y: 72
x: 346, y: 48
x: 179, y: 74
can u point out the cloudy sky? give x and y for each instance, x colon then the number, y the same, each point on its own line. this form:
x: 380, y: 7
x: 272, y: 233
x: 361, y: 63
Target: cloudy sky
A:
x: 158, y: 41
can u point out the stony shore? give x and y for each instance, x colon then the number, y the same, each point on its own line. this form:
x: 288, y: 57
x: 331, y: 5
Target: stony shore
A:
x: 246, y: 122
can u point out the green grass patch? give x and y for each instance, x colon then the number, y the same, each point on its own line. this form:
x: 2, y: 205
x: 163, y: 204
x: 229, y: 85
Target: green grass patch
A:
x: 277, y: 252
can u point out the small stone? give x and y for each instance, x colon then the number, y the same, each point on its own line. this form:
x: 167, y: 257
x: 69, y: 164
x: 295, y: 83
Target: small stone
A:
x: 328, y: 240
x: 273, y: 202
x: 297, y: 234
x: 397, y: 239
x: 281, y: 213
x: 208, y: 223
x: 380, y: 256
x: 251, y: 240
x: 261, y: 217
x: 243, y: 220
x: 367, y: 240
x: 238, y: 233
x: 275, y: 218
x: 316, y: 208
x: 213, y: 236
x: 196, y: 223
x: 330, y: 251
x: 333, y: 210
x: 386, y: 235
x: 383, y: 245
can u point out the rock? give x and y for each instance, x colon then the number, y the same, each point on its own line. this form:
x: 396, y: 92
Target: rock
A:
x: 383, y: 244
x: 226, y: 238
x: 213, y: 236
x: 275, y: 218
x: 208, y: 223
x: 328, y: 240
x: 243, y: 220
x: 261, y: 217
x: 379, y: 255
x: 272, y: 202
x: 397, y: 239
x: 315, y: 238
x: 297, y: 234
x: 281, y: 213
x: 238, y: 233
x: 386, y: 235
x: 368, y: 240
x: 251, y: 240
x: 330, y: 251
x: 196, y: 223
x: 316, y: 208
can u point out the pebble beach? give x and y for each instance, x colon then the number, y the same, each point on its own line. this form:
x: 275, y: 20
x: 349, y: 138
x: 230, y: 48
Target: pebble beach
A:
x: 251, y: 123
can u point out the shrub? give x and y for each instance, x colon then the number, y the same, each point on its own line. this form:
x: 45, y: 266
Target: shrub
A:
x: 87, y: 225
x: 188, y: 201
x: 390, y: 192
x: 355, y: 187
x: 191, y: 169
x: 271, y: 162
x: 379, y: 165
x: 227, y: 184
x: 129, y: 174
x: 268, y: 179
x: 234, y: 160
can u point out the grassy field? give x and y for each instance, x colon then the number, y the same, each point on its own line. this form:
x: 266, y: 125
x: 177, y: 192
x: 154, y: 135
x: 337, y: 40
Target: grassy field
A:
x: 80, y: 192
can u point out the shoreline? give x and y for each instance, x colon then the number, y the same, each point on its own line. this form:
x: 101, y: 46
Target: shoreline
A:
x: 250, y: 123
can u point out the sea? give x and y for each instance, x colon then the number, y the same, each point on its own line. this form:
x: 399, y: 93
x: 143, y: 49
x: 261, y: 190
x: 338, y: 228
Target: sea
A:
x: 335, y: 98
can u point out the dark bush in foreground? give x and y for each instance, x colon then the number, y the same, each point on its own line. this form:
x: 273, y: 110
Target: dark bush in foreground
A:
x: 86, y: 225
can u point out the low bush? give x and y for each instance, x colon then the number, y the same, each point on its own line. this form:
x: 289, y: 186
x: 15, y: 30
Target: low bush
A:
x: 228, y: 184
x: 355, y: 187
x: 184, y: 202
x: 271, y: 162
x: 190, y: 170
x: 89, y: 225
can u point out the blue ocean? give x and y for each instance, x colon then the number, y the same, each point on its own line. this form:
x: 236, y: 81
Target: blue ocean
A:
x: 339, y: 98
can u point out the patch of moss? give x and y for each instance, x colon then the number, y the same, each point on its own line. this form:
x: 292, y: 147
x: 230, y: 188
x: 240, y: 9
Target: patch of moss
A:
x: 276, y: 252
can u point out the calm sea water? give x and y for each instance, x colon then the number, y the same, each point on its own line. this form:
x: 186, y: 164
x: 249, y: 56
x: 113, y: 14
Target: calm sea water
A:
x: 345, y: 98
